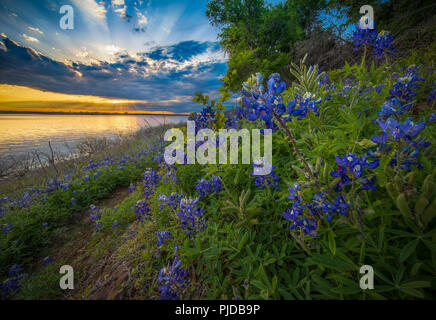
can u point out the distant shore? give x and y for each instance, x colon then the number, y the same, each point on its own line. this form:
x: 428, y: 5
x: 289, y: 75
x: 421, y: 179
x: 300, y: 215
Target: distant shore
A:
x: 111, y: 113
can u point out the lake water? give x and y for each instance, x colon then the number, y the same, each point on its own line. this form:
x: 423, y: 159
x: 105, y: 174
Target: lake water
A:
x: 20, y: 133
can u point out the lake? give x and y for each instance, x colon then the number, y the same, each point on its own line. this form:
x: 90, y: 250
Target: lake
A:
x: 20, y: 133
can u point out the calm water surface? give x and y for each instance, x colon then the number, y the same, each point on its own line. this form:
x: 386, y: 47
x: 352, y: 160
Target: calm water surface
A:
x: 21, y: 133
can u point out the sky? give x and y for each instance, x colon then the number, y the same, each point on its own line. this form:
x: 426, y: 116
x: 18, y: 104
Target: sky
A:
x: 149, y: 55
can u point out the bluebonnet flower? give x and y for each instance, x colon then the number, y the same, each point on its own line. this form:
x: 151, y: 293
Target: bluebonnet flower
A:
x: 293, y: 192
x: 162, y: 236
x: 172, y: 279
x: 142, y: 211
x: 432, y: 95
x: 368, y: 184
x: 151, y: 179
x: 431, y: 119
x: 392, y: 107
x: 204, y: 119
x: 383, y: 45
x: 325, y: 79
x: 275, y: 85
x: 342, y: 173
x: 115, y: 224
x: 296, y: 217
x: 6, y: 228
x: 11, y: 285
x: 191, y: 215
x: 364, y: 37
x: 261, y: 181
x: 270, y: 180
x: 407, y: 130
x: 47, y: 260
x: 24, y: 201
x: 341, y: 205
x: 170, y: 175
x: 403, y: 134
x: 172, y: 201
x: 159, y: 158
x: 86, y: 179
x: 301, y: 105
x: 132, y: 188
x: 205, y: 188
x: 319, y: 207
x: 45, y: 224
x: 409, y: 158
x: 94, y: 215
x: 232, y: 122
x: 262, y: 104
x: 98, y: 174
x: 73, y: 201
x: 405, y: 87
x: 356, y: 165
x: 3, y: 209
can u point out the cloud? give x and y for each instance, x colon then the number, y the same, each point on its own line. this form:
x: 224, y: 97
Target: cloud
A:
x: 34, y: 29
x: 92, y: 8
x: 165, y: 77
x: 29, y: 38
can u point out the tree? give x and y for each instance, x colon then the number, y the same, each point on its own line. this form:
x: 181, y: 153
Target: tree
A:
x: 260, y: 37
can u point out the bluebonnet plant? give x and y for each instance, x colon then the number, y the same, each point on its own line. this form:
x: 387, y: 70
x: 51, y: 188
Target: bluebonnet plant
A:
x: 392, y: 107
x: 172, y: 201
x: 132, y: 188
x: 172, y: 279
x: 191, y: 215
x: 383, y: 46
x: 263, y: 104
x: 3, y: 208
x: 11, y: 285
x: 204, y: 187
x: 204, y: 119
x: 151, y: 179
x: 6, y: 228
x: 402, y: 138
x: 47, y: 260
x: 142, y: 211
x: 364, y: 37
x: 162, y: 236
x: 94, y: 215
x: 405, y: 87
x: 301, y: 105
x: 307, y: 216
x: 270, y: 180
x: 356, y: 165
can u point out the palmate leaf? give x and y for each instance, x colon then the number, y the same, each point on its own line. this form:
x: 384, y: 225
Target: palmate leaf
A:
x: 331, y: 262
x: 307, y: 78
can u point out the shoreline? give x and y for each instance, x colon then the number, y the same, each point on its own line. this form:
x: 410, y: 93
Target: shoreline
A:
x: 96, y: 113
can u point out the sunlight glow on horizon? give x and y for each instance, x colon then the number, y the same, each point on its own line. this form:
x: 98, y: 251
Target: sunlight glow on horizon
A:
x: 15, y: 97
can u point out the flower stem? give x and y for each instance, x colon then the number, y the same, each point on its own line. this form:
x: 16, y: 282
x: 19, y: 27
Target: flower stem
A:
x: 293, y: 142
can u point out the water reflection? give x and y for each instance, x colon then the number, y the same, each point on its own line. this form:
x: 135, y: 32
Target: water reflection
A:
x: 20, y: 133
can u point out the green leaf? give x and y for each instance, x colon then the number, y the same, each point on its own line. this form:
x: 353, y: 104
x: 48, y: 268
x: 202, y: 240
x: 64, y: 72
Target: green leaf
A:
x: 332, y: 242
x: 416, y: 284
x: 331, y: 262
x: 408, y: 249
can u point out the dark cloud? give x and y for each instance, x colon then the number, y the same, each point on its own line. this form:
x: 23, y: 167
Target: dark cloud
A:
x: 160, y: 76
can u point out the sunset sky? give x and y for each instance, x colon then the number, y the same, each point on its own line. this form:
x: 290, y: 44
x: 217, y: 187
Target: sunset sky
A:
x: 121, y: 55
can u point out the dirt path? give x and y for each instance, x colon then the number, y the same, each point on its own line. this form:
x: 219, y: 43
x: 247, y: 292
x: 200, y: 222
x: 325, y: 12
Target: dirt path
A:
x: 99, y: 272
